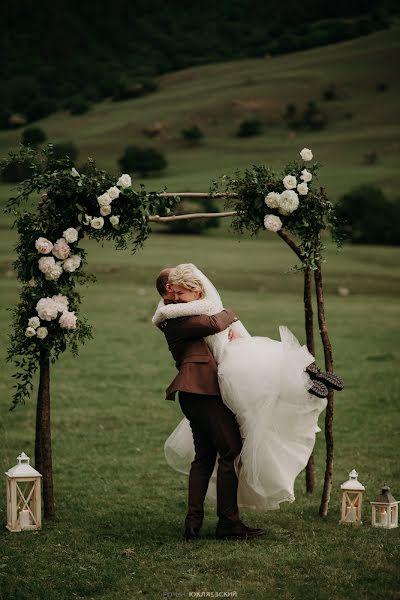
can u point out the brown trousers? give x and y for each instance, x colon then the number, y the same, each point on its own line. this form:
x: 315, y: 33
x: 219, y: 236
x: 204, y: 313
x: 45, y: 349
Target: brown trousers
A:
x: 215, y: 430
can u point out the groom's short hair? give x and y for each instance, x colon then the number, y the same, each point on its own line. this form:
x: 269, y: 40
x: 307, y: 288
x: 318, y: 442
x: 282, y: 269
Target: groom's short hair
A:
x: 162, y: 281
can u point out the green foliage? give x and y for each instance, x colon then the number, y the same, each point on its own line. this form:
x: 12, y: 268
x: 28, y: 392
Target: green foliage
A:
x: 192, y: 135
x: 250, y: 128
x: 65, y: 150
x: 33, y: 136
x: 15, y: 169
x: 79, y: 106
x: 126, y: 90
x: 312, y: 118
x: 193, y: 226
x: 69, y: 200
x: 315, y: 213
x: 142, y: 160
x: 367, y: 216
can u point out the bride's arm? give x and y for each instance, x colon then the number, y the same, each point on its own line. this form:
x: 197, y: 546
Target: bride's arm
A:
x: 182, y: 309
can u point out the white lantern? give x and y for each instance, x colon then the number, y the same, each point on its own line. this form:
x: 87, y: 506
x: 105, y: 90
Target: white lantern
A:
x: 24, y: 505
x: 385, y: 510
x: 352, y: 493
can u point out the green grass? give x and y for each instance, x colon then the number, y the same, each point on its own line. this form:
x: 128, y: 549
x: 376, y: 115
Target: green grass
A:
x: 217, y: 97
x: 120, y: 509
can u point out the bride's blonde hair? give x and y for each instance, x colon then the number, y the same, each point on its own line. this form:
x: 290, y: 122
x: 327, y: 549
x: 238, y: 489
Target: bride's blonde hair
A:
x: 184, y: 276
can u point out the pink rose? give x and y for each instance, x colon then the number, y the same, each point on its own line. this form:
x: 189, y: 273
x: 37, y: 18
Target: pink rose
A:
x: 68, y: 320
x: 46, y: 264
x: 43, y: 246
x: 61, y: 249
x: 47, y: 309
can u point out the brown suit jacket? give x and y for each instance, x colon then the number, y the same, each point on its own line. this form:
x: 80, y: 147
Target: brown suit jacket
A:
x: 193, y: 359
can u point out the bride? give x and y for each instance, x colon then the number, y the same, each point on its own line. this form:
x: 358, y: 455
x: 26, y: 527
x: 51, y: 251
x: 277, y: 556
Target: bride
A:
x: 264, y: 383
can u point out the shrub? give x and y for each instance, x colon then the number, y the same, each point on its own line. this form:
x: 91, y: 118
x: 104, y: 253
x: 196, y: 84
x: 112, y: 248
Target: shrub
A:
x: 370, y: 158
x: 193, y: 226
x: 33, y: 136
x: 78, y: 106
x: 368, y: 217
x: 192, y: 135
x: 142, y: 160
x: 126, y: 91
x: 250, y: 128
x: 16, y: 170
x: 66, y: 149
x: 40, y: 108
x: 313, y: 117
x: 330, y: 93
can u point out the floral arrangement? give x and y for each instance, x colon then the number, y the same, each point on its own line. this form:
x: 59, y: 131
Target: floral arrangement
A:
x: 50, y: 261
x: 263, y: 199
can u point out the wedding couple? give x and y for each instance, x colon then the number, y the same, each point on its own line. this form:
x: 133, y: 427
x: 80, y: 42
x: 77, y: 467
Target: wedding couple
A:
x: 251, y: 405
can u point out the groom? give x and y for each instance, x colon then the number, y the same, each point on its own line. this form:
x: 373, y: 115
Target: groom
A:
x: 214, y: 426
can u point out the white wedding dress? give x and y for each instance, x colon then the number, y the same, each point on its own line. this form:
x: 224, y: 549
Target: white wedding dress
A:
x: 264, y: 383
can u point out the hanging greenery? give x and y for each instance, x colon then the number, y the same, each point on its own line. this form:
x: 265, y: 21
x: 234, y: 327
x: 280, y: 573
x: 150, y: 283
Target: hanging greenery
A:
x: 50, y: 261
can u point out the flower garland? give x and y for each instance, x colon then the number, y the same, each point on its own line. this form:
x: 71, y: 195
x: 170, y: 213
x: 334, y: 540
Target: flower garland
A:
x: 50, y: 264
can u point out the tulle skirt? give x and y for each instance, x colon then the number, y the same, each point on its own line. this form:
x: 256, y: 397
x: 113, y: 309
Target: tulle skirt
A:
x: 264, y: 383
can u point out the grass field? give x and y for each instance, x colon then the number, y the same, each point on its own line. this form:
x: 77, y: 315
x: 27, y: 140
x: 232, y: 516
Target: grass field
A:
x: 120, y: 509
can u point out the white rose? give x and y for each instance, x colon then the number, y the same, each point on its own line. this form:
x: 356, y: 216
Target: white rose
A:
x: 288, y: 202
x: 105, y: 210
x: 30, y: 332
x: 47, y: 309
x: 113, y: 192
x: 74, y: 173
x: 272, y: 223
x: 34, y: 322
x: 272, y: 199
x: 71, y: 235
x: 306, y: 154
x: 97, y: 222
x: 42, y: 332
x: 306, y: 175
x: 87, y: 219
x: 55, y: 272
x: 290, y: 182
x: 43, y: 245
x: 46, y: 264
x: 114, y: 220
x: 72, y: 263
x: 124, y: 181
x: 61, y: 301
x: 302, y: 188
x: 104, y: 199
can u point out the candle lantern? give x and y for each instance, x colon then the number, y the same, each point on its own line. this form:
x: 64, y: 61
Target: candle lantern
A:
x: 352, y: 493
x: 24, y: 507
x: 385, y: 510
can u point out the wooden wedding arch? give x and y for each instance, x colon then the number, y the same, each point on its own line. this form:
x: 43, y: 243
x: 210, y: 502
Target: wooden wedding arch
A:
x: 58, y: 181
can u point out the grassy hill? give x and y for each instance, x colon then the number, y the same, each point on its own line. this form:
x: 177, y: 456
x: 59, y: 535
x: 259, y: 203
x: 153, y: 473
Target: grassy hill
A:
x: 217, y: 97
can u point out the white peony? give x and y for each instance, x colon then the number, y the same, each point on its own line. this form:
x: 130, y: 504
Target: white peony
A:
x: 124, y: 181
x: 290, y: 182
x: 55, y: 272
x: 272, y: 223
x: 114, y: 220
x: 47, y: 309
x: 306, y: 175
x: 113, y: 192
x: 67, y: 320
x: 61, y: 249
x: 105, y: 210
x: 34, y: 322
x: 289, y: 201
x: 61, y: 301
x: 72, y: 263
x: 306, y: 154
x: 302, y: 188
x: 272, y: 200
x: 87, y: 219
x: 42, y: 332
x: 46, y: 264
x: 104, y: 199
x: 71, y: 235
x: 30, y: 332
x: 43, y: 245
x: 74, y: 172
x: 97, y: 222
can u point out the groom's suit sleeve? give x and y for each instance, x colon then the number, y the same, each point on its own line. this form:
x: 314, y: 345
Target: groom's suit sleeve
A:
x: 202, y: 325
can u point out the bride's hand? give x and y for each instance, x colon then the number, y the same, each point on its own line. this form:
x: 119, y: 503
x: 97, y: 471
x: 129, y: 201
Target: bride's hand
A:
x: 233, y: 335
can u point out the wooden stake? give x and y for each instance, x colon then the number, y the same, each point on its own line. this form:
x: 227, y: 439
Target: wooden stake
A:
x: 43, y: 457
